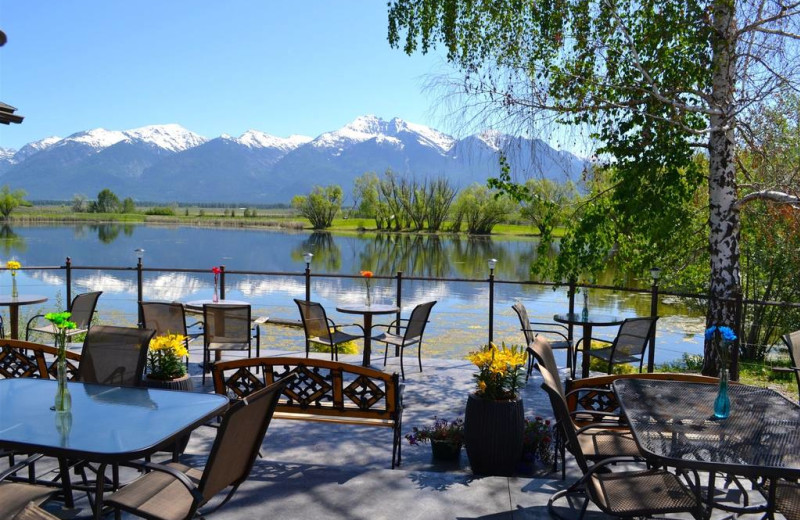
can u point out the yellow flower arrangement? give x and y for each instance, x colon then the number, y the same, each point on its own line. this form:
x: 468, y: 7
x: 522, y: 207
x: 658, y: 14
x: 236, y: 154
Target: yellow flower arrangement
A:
x: 13, y: 265
x: 500, y: 370
x: 165, y: 356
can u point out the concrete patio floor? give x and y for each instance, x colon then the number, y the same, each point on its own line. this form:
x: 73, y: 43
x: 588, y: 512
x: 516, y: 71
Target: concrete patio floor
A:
x: 314, y: 470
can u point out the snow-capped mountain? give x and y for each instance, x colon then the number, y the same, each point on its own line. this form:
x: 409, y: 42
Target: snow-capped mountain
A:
x: 165, y: 163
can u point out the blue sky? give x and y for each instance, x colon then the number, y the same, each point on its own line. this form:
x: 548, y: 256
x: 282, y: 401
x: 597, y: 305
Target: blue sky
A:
x: 289, y: 67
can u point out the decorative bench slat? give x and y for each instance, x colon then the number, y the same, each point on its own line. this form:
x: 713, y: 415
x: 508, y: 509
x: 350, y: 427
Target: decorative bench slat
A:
x: 321, y: 391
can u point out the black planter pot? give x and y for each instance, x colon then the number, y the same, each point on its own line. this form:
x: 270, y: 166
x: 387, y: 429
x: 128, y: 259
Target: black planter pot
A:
x: 181, y: 383
x: 493, y: 432
x: 445, y: 450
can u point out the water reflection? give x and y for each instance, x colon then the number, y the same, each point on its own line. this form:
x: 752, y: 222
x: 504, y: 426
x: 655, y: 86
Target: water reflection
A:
x: 11, y: 242
x: 107, y: 233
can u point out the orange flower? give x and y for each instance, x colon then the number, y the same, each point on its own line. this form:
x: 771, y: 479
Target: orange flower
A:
x: 366, y: 274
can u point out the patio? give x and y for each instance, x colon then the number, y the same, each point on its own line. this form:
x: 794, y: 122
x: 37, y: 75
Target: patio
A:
x: 313, y: 470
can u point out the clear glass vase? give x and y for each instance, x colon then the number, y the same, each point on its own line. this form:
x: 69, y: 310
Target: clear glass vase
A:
x: 14, y: 291
x: 369, y: 296
x: 215, y: 298
x: 63, y: 401
x: 722, y: 404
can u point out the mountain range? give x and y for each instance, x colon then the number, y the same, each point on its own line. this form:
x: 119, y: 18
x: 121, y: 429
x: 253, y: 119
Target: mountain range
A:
x: 168, y: 163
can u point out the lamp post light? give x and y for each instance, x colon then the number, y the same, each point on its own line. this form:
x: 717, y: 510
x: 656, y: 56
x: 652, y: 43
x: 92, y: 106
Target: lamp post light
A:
x: 139, y: 252
x: 492, y: 264
x: 655, y: 274
x: 307, y: 258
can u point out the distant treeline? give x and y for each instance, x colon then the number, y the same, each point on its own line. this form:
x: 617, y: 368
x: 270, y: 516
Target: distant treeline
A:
x: 232, y: 205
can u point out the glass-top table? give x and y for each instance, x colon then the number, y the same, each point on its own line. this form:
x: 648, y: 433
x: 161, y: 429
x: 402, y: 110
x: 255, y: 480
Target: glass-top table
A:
x: 673, y: 426
x: 106, y: 423
x: 586, y: 321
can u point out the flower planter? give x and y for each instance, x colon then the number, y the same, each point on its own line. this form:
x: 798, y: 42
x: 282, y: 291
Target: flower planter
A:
x: 179, y: 383
x: 445, y: 450
x: 493, y: 433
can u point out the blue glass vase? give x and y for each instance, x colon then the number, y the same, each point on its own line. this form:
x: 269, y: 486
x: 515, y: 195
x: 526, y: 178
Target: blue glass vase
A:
x: 722, y: 404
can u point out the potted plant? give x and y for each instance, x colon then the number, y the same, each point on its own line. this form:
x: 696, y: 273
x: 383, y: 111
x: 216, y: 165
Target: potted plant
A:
x: 165, y: 362
x: 537, y: 444
x: 446, y: 438
x: 494, y: 420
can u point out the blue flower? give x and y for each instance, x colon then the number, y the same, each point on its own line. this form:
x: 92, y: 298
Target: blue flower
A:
x: 726, y: 333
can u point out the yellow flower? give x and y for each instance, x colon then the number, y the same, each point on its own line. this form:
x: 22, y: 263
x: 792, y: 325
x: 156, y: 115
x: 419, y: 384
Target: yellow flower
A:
x: 13, y: 265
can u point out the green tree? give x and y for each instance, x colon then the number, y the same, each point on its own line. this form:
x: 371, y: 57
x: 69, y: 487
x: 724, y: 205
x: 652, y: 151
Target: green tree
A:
x: 365, y: 191
x: 79, y: 204
x: 320, y: 206
x: 10, y: 200
x: 655, y: 80
x: 481, y: 208
x: 128, y: 206
x: 107, y: 202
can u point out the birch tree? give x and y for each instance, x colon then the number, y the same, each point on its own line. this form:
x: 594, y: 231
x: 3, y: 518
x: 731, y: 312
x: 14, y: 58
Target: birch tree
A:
x: 655, y: 80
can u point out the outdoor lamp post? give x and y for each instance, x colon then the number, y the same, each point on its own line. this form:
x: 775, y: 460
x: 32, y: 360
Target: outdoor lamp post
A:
x: 492, y: 264
x: 139, y: 255
x: 307, y: 257
x: 655, y: 274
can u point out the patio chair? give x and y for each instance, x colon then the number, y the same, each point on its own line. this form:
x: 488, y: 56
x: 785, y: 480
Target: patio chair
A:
x: 20, y: 500
x: 25, y: 359
x: 412, y: 335
x: 169, y: 318
x: 595, y: 441
x: 322, y: 330
x: 114, y: 355
x: 228, y: 327
x: 628, y: 493
x: 787, y: 498
x: 546, y: 329
x: 792, y: 341
x: 81, y: 309
x: 176, y: 491
x: 630, y: 344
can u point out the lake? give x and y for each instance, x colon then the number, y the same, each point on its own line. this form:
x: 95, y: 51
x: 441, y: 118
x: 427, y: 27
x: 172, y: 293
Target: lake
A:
x: 459, y: 321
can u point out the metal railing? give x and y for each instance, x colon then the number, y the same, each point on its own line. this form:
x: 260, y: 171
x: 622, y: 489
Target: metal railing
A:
x: 654, y: 291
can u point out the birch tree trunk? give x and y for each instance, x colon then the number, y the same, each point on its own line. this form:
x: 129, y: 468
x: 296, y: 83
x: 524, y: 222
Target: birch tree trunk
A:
x: 724, y: 222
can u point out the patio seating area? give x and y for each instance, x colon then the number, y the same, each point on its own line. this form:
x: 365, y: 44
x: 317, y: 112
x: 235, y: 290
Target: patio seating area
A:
x: 327, y: 470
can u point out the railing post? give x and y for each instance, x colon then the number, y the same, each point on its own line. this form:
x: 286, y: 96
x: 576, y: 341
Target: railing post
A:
x: 222, y: 282
x: 737, y: 343
x: 307, y: 257
x: 399, y: 301
x: 68, y: 268
x: 492, y: 264
x: 571, y: 296
x: 139, y: 290
x: 655, y: 272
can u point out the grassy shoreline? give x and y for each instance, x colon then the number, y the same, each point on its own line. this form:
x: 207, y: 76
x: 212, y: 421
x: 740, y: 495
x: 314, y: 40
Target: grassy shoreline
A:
x: 219, y: 217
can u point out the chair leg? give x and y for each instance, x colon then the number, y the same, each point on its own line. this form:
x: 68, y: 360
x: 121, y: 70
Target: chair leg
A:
x: 402, y: 370
x: 419, y: 355
x: 385, y: 353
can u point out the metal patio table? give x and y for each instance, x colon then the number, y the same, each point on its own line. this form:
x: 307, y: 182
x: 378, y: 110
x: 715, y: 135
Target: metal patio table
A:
x: 673, y: 425
x: 368, y: 311
x: 13, y: 303
x: 587, y: 322
x: 107, y: 424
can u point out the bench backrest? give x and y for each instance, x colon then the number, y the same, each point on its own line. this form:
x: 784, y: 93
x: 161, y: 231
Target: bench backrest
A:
x: 320, y: 387
x: 25, y: 359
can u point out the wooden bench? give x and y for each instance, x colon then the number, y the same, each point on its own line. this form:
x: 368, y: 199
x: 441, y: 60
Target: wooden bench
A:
x: 322, y: 391
x: 25, y: 359
x: 594, y: 394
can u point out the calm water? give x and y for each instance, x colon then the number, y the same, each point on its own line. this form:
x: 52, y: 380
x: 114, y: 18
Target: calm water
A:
x: 459, y: 322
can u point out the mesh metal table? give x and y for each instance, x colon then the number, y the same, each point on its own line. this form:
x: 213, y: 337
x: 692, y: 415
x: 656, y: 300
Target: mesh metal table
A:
x: 673, y: 426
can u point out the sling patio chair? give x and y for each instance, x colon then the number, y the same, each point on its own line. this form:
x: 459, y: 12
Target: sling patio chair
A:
x: 114, y: 355
x: 412, y: 334
x: 322, y: 330
x: 547, y: 330
x: 596, y: 441
x: 630, y: 344
x: 169, y: 318
x: 20, y: 500
x: 623, y: 493
x: 176, y: 491
x: 792, y: 341
x: 81, y: 312
x: 228, y: 327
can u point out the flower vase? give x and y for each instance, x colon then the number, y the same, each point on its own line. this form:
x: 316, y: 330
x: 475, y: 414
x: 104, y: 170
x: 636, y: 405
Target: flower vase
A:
x: 369, y: 296
x: 585, y: 311
x: 215, y: 298
x: 14, y: 292
x: 722, y: 404
x: 63, y: 401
